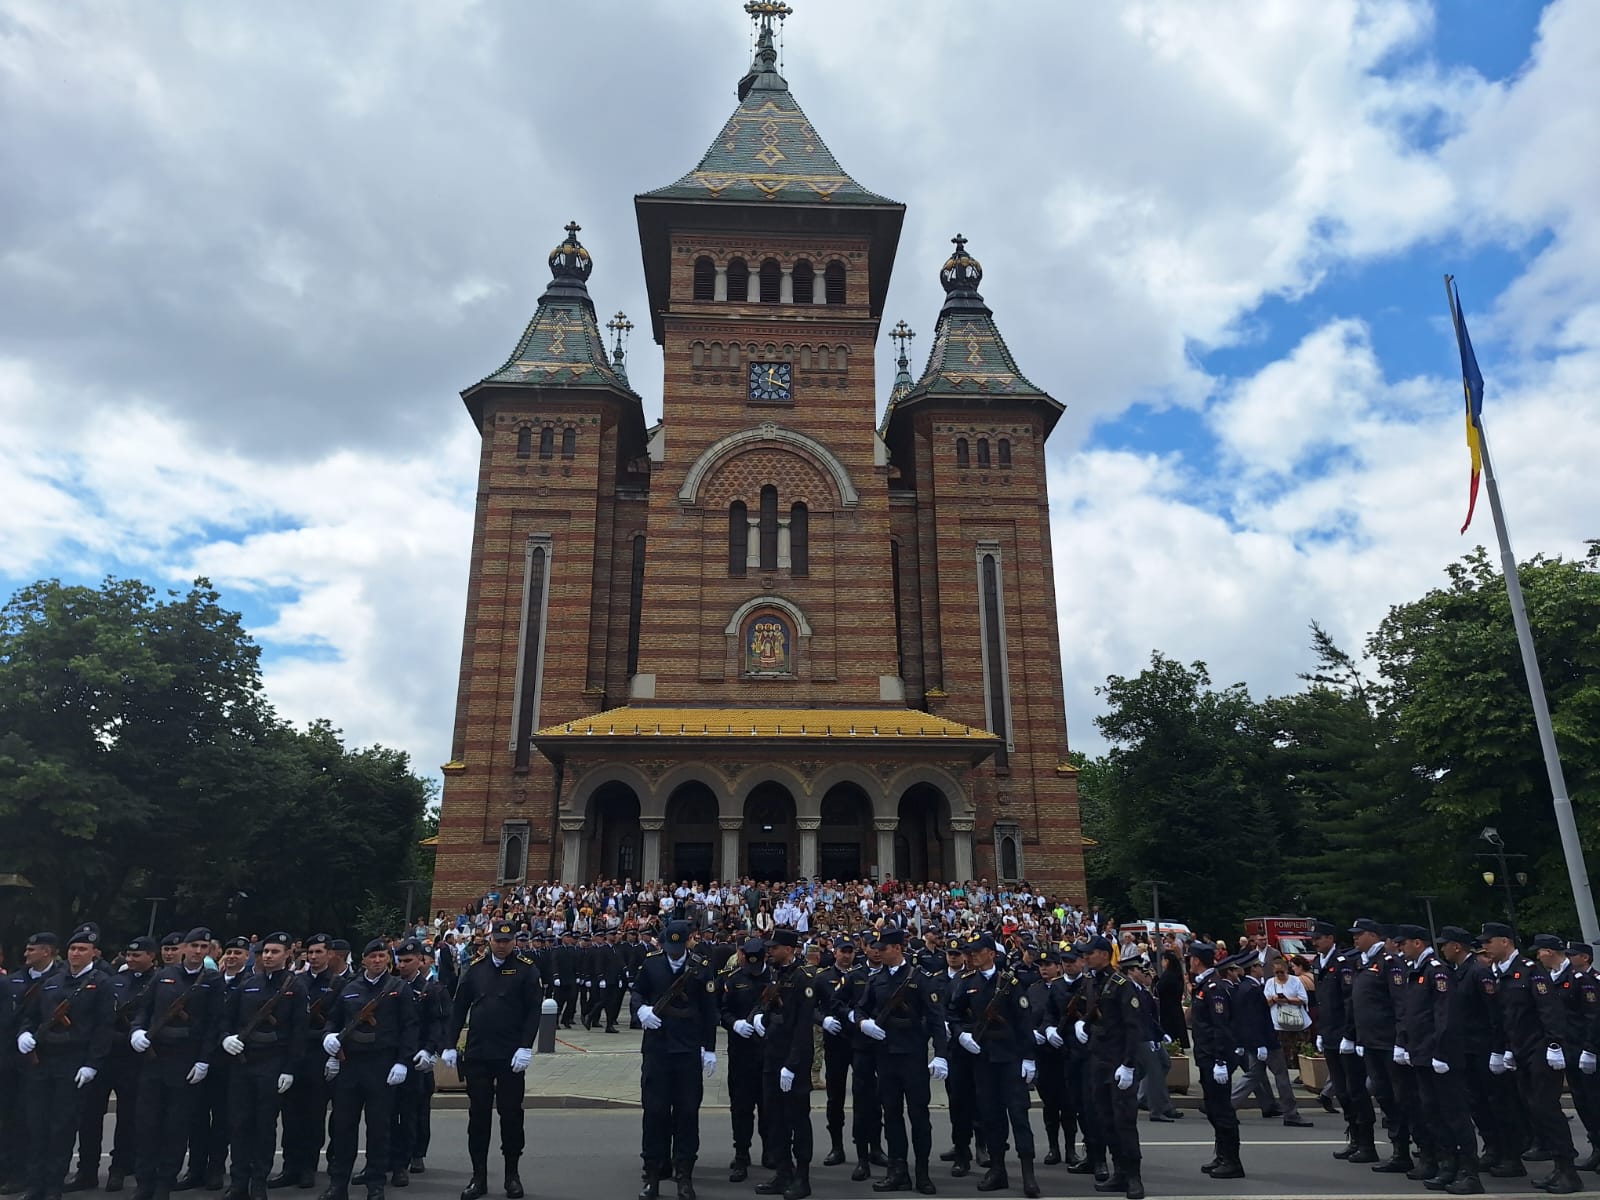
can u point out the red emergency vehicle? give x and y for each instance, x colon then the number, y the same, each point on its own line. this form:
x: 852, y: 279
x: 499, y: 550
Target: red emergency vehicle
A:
x: 1291, y: 935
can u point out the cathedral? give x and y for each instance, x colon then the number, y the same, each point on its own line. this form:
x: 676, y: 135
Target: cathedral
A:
x: 772, y: 634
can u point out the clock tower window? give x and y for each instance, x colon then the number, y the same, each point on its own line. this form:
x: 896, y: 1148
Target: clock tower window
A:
x: 983, y: 452
x: 833, y: 279
x: 738, y: 281
x: 799, y: 539
x: 705, y: 279
x: 771, y: 281
x: 805, y: 282
x: 769, y: 528
x: 738, y: 538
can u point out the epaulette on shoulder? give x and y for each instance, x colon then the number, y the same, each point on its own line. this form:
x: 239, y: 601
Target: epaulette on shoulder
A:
x: 478, y: 959
x: 654, y: 954
x: 1118, y: 977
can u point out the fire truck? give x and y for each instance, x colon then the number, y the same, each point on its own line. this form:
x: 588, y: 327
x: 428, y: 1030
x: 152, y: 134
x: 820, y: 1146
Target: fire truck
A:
x: 1291, y: 935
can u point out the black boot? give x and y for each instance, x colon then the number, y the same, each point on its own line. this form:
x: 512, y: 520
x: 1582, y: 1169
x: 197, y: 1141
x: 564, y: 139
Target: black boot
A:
x: 1592, y: 1163
x: 739, y: 1168
x: 652, y: 1183
x: 213, y: 1179
x: 1216, y: 1161
x: 1508, y: 1167
x: 399, y: 1177
x: 1053, y: 1155
x: 1565, y: 1181
x: 84, y: 1181
x: 1135, y: 1186
x: 1230, y: 1169
x: 835, y: 1154
x: 256, y: 1189
x: 1366, y: 1151
x: 949, y: 1155
x: 334, y: 1191
x: 776, y: 1186
x: 994, y: 1179
x: 683, y: 1176
x: 863, y: 1169
x: 799, y: 1184
x: 1030, y: 1181
x: 478, y: 1185
x: 898, y: 1179
x: 924, y: 1183
x: 188, y: 1182
x: 1115, y: 1182
x: 962, y: 1166
x: 877, y: 1157
x: 513, y: 1180
x: 1398, y: 1162
x: 244, y: 1191
x: 1466, y: 1182
x: 1084, y: 1166
x: 982, y: 1156
x: 1425, y: 1167
x: 1441, y: 1178
x: 115, y: 1178
x: 1349, y: 1147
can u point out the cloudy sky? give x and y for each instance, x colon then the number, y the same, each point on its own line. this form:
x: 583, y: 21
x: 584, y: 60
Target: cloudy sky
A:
x: 250, y: 254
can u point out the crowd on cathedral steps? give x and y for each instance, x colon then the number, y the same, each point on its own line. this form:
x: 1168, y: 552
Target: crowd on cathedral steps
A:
x: 223, y: 1052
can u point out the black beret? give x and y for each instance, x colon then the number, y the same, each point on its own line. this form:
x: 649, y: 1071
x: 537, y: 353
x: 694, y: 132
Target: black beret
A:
x: 318, y: 939
x: 198, y: 934
x: 756, y: 948
x: 44, y: 939
x: 84, y: 935
x: 142, y: 945
x: 780, y: 937
x: 377, y: 945
x: 278, y: 937
x: 1411, y: 933
x: 339, y: 946
x: 1366, y: 925
x: 1549, y: 941
x: 1454, y: 933
x: 173, y: 939
x: 1494, y: 929
x: 243, y: 943
x: 411, y: 946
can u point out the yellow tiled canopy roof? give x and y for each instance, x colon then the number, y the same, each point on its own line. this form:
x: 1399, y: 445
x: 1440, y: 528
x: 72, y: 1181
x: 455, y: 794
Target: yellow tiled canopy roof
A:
x: 783, y: 723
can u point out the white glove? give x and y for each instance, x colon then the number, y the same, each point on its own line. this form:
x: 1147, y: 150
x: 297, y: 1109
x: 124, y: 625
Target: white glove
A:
x: 285, y: 1082
x: 708, y: 1063
x: 449, y: 1057
x: 1555, y: 1058
x: 1361, y: 1051
x: 1346, y: 1046
x: 1219, y: 1073
x: 1497, y: 1063
x: 1081, y: 1032
x: 521, y: 1059
x: 1261, y: 1053
x: 1440, y: 1067
x: 1587, y: 1062
x: 1053, y: 1036
x: 785, y: 1079
x: 602, y: 985
x: 746, y: 1030
x: 330, y: 1045
x: 1319, y: 1043
x: 397, y: 1075
x: 970, y: 1044
x: 1124, y: 1077
x: 872, y: 1029
x: 1038, y: 1038
x: 648, y: 1018
x: 422, y: 1060
x: 1401, y: 1058
x: 1511, y: 1060
x: 87, y: 1074
x: 829, y: 1025
x: 1029, y: 1070
x: 25, y: 1043
x: 232, y: 1043
x: 330, y: 1068
x: 759, y: 1022
x: 939, y: 1069
x: 198, y: 1072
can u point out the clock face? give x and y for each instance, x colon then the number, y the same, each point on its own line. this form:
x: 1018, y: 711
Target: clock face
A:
x: 771, y: 381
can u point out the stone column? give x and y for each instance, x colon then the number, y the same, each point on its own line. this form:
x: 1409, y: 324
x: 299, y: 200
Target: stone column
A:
x: 752, y: 289
x: 961, y: 830
x: 721, y: 285
x: 752, y: 545
x: 729, y: 869
x: 819, y: 288
x: 786, y: 286
x: 885, y: 827
x: 571, y: 849
x: 651, y: 829
x: 783, y: 543
x: 808, y: 845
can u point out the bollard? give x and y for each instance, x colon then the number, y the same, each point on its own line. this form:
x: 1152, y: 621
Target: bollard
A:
x: 547, y: 1027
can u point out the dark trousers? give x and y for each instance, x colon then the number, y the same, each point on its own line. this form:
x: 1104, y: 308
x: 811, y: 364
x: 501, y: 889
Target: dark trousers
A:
x: 567, y: 998
x: 1540, y: 1089
x: 1218, y: 1098
x: 670, y: 1089
x: 746, y: 1107
x: 166, y: 1112
x: 305, y: 1116
x: 1444, y: 1101
x: 253, y: 1104
x: 1585, y: 1091
x: 493, y: 1087
x: 1091, y: 1116
x: 1358, y: 1109
x: 1497, y: 1110
x: 119, y: 1076
x: 13, y: 1164
x: 424, y: 1135
x: 1337, y: 1085
x: 1121, y: 1109
x: 836, y: 1056
x: 789, y: 1117
x: 866, y: 1116
x: 1002, y: 1099
x: 1052, y: 1084
x: 411, y: 1102
x: 210, y: 1131
x: 1408, y: 1096
x: 960, y: 1089
x: 1381, y: 1083
x: 904, y: 1091
x: 1072, y: 1100
x: 360, y: 1088
x: 51, y: 1103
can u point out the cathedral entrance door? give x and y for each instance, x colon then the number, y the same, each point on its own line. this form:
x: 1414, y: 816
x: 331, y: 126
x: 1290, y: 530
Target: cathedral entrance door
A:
x: 769, y: 861
x: 840, y: 860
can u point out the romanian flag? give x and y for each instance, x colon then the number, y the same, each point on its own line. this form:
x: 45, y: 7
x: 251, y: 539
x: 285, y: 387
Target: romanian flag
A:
x: 1472, y: 387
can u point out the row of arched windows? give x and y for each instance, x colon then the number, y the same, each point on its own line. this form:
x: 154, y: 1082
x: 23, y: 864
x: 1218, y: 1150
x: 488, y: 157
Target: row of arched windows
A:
x: 769, y: 282
x: 964, y: 452
x: 547, y: 442
x: 821, y: 358
x: 769, y: 534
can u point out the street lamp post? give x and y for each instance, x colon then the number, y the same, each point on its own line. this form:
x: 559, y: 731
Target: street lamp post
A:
x: 1492, y: 835
x: 1433, y: 937
x: 1155, y: 886
x: 411, y: 895
x: 155, y: 903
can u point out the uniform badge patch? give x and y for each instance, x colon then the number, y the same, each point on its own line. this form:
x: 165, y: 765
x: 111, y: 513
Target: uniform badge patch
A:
x: 1440, y: 984
x: 808, y: 991
x: 1591, y: 996
x: 933, y: 997
x: 1022, y: 1002
x: 1134, y: 1002
x: 711, y: 986
x: 1397, y: 977
x: 1540, y: 986
x: 1218, y: 1007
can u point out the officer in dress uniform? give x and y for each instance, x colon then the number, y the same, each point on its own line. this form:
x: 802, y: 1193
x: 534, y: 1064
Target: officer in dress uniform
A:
x: 176, y: 1033
x: 408, y: 1142
x: 64, y: 1036
x: 837, y: 1051
x: 784, y: 1020
x: 1467, y: 1041
x: 263, y: 1034
x: 1404, y: 1075
x: 119, y: 1076
x: 1327, y: 972
x: 1423, y: 1039
x: 1049, y: 1055
x: 502, y: 994
x: 902, y: 1012
x: 212, y: 1129
x: 13, y: 986
x: 1118, y: 1021
x: 1373, y: 1019
x: 740, y: 986
x: 1581, y: 995
x: 678, y: 1008
x: 960, y: 1088
x: 1215, y: 1043
x: 568, y: 965
x: 373, y: 1036
x: 866, y: 1115
x: 305, y: 1108
x: 991, y: 1015
x: 1533, y: 1026
x: 606, y: 972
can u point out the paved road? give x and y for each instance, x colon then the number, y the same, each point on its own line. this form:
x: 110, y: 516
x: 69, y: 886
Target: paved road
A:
x: 591, y: 1155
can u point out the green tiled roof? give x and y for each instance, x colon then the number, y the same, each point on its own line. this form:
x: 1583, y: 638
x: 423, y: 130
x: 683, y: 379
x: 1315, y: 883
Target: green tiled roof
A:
x: 769, y: 151
x: 969, y: 357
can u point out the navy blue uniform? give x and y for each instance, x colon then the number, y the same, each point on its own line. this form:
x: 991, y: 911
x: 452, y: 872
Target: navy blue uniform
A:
x: 268, y: 1014
x: 995, y: 1010
x: 503, y: 998
x: 738, y: 993
x: 180, y: 1016
x: 410, y: 1136
x: 1215, y: 1040
x: 119, y: 1077
x: 908, y: 1006
x: 70, y: 1018
x: 671, y: 1084
x: 376, y: 1020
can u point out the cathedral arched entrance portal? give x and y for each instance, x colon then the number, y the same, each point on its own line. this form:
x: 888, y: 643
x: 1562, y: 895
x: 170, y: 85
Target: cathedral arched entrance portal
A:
x: 691, y: 833
x: 614, y: 845
x: 770, y: 834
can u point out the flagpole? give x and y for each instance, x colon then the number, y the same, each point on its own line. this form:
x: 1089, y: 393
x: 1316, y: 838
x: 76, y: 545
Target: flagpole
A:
x: 1566, y: 822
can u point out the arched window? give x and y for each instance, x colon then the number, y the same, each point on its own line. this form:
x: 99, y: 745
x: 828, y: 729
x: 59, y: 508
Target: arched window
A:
x: 547, y: 442
x: 511, y: 866
x: 983, y: 452
x: 962, y: 459
x: 1009, y: 868
x: 738, y: 537
x: 805, y: 358
x: 714, y: 355
x: 799, y: 540
x: 697, y: 354
x: 805, y: 282
x: 569, y: 442
x: 733, y: 354
x: 738, y: 281
x: 1005, y: 452
x: 626, y: 863
x: 822, y: 358
x: 769, y: 528
x: 771, y: 281
x: 524, y: 442
x: 705, y: 279
x: 833, y: 280
x: 635, y: 604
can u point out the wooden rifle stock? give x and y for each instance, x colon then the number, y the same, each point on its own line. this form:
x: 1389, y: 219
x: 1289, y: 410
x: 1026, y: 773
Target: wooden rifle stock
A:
x: 60, y: 1015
